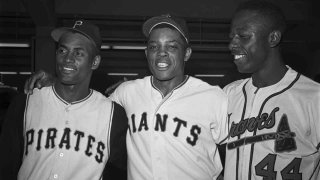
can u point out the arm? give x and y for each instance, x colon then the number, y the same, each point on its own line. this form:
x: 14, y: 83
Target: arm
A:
x: 11, y: 139
x: 111, y: 88
x: 38, y: 80
x: 116, y: 167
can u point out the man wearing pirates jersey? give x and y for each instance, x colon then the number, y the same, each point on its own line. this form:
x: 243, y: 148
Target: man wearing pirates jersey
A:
x: 67, y: 130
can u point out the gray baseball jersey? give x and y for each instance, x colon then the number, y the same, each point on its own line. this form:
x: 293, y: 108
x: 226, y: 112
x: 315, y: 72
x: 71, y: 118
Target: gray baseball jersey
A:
x: 173, y: 136
x: 275, y: 130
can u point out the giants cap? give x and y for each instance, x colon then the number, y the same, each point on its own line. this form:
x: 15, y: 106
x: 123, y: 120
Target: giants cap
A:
x: 83, y: 27
x: 178, y: 23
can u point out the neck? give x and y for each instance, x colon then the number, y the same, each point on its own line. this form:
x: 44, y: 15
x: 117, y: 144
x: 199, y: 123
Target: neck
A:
x: 71, y: 93
x: 272, y: 72
x: 168, y: 85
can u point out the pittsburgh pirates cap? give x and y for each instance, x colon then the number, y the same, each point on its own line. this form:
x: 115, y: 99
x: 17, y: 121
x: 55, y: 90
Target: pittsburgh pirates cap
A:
x: 83, y: 27
x: 177, y: 23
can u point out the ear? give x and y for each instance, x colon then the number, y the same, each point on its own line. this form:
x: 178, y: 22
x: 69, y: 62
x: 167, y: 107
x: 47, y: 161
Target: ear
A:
x: 274, y: 38
x: 96, y: 62
x: 187, y: 54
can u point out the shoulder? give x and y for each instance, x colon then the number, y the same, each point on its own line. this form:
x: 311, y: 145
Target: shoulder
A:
x: 198, y: 85
x: 133, y: 86
x: 235, y: 86
x: 43, y: 92
x: 137, y: 83
x: 307, y: 87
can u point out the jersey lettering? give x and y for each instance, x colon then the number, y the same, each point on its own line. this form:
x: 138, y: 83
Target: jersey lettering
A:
x: 65, y: 141
x: 284, y: 138
x: 265, y: 168
x: 99, y: 155
x: 264, y: 121
x: 29, y: 136
x: 51, y: 135
x: 65, y: 138
x: 179, y: 123
x: 91, y: 139
x: 160, y: 124
x: 79, y: 135
x: 39, y: 139
x: 143, y: 122
x: 134, y: 128
x: 195, y: 131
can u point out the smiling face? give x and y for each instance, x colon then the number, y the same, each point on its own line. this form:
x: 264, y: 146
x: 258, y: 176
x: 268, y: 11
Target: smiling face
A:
x: 75, y: 59
x: 249, y: 41
x: 166, y: 53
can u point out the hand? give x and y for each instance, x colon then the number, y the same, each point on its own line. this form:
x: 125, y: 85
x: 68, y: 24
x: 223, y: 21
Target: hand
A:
x: 38, y: 80
x: 111, y: 88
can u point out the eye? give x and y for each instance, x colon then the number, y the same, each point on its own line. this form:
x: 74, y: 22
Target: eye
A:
x: 152, y: 47
x: 244, y: 36
x: 172, y: 47
x: 78, y: 53
x: 61, y: 51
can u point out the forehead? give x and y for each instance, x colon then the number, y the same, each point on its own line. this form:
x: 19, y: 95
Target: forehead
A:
x: 74, y: 39
x: 246, y: 20
x: 167, y: 33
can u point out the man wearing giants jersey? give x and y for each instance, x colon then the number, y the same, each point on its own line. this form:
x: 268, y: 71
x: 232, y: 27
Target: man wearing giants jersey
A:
x: 65, y: 131
x: 175, y: 120
x: 274, y: 116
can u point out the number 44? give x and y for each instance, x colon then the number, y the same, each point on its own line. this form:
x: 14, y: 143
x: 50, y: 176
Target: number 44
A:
x: 265, y: 168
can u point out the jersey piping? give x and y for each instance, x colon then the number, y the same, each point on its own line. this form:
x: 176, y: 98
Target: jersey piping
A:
x: 74, y: 102
x: 255, y: 131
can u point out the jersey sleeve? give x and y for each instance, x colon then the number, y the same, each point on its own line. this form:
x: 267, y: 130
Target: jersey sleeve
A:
x: 219, y: 129
x: 11, y: 139
x: 117, y: 163
x: 317, y: 118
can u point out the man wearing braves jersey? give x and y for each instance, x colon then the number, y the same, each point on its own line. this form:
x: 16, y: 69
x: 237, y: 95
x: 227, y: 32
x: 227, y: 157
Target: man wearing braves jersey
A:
x: 67, y: 130
x: 273, y: 116
x: 175, y: 120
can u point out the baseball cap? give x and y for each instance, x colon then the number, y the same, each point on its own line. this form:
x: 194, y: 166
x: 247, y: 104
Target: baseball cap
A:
x: 83, y: 27
x: 178, y: 23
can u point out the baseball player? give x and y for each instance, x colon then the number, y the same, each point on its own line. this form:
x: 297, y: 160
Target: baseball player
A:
x: 175, y: 120
x: 273, y: 116
x: 65, y: 131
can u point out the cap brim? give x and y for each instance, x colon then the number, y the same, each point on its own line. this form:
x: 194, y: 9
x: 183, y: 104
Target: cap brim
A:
x: 153, y: 22
x: 57, y: 33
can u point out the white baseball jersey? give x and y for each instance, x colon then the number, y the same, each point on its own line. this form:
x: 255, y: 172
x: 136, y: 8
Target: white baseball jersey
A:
x: 173, y: 136
x: 66, y: 140
x: 274, y: 132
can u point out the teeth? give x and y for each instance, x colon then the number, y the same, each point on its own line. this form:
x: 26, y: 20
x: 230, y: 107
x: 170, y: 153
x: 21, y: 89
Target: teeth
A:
x: 162, y: 65
x: 238, y: 56
x: 68, y: 69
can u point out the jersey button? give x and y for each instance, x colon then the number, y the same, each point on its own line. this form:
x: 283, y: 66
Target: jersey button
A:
x: 61, y: 154
x: 55, y: 176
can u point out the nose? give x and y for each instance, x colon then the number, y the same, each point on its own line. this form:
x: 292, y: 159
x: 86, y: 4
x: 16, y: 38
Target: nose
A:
x: 163, y: 51
x: 69, y: 57
x: 233, y: 44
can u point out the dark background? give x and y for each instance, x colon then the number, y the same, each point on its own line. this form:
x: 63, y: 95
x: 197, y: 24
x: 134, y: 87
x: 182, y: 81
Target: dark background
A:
x: 120, y: 21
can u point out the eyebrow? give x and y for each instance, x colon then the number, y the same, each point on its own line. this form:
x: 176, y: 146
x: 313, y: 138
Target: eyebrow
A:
x: 171, y: 41
x: 64, y: 46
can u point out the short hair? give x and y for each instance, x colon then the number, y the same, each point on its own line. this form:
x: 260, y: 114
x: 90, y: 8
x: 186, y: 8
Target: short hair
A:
x: 267, y: 10
x: 186, y: 44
